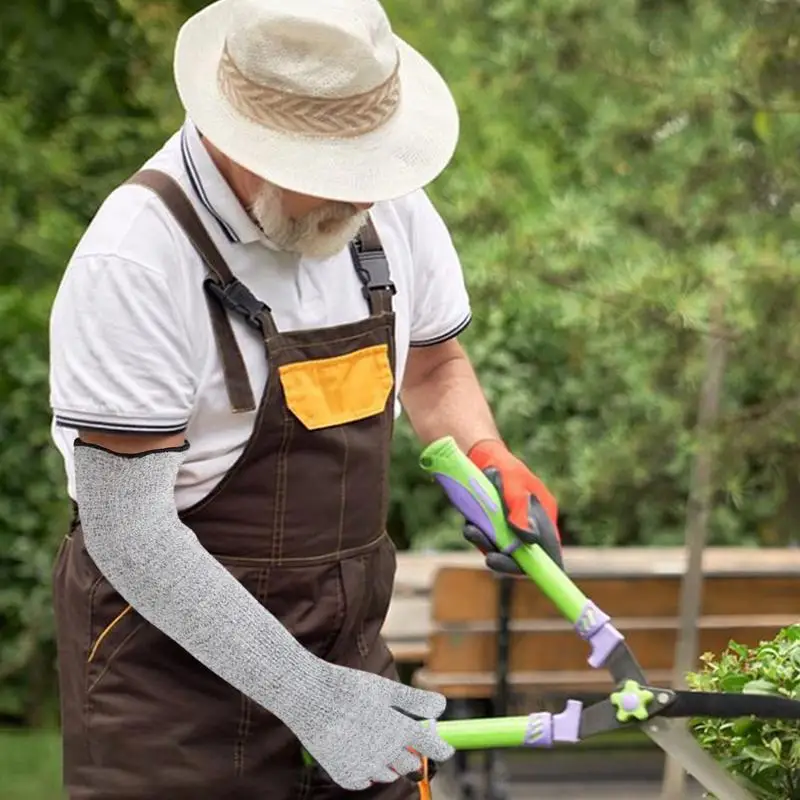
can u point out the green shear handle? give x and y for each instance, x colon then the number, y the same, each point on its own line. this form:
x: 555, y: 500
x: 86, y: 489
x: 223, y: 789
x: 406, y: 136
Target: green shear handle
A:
x: 474, y: 496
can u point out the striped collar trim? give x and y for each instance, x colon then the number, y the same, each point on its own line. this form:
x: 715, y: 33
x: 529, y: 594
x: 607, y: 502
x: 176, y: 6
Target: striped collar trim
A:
x: 213, y: 191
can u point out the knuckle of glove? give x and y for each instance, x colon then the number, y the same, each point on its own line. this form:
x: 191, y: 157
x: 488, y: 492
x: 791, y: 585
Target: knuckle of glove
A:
x: 545, y: 532
x: 407, y: 764
x: 499, y: 562
x: 476, y: 537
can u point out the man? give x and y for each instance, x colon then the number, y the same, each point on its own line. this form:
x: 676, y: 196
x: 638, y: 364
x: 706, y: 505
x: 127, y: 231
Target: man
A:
x: 230, y: 345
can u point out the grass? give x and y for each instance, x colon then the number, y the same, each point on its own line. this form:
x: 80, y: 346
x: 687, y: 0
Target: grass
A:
x: 31, y: 765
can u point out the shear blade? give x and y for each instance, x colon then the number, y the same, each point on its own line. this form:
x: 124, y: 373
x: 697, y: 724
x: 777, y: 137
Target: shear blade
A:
x: 673, y: 737
x: 676, y: 741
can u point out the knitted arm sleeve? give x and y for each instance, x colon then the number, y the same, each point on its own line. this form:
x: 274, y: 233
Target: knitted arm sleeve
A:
x: 349, y: 720
x: 156, y: 563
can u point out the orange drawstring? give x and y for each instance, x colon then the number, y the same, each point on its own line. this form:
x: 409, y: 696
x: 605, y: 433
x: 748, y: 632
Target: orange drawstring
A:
x: 424, y: 785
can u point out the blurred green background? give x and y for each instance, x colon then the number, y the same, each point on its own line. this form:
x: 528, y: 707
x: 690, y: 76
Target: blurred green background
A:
x: 624, y: 168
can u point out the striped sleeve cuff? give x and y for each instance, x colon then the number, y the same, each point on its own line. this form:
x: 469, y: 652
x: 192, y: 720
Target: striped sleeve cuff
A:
x: 450, y: 334
x: 111, y: 425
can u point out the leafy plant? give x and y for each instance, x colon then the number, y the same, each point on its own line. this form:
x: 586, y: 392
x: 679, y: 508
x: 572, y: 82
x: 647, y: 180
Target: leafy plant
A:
x: 764, y: 752
x: 33, y: 509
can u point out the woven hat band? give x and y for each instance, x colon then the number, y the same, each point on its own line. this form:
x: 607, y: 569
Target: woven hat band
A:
x: 328, y: 117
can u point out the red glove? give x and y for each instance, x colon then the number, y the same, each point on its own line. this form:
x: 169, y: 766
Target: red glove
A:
x: 530, y: 510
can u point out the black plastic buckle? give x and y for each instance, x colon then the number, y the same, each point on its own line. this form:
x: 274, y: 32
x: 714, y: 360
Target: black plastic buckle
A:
x: 373, y: 270
x: 238, y: 298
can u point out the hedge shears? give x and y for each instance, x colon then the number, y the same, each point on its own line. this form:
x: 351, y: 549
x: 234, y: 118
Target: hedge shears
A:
x: 634, y: 703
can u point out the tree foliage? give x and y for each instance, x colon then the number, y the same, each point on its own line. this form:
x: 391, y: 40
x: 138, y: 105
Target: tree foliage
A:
x: 621, y: 165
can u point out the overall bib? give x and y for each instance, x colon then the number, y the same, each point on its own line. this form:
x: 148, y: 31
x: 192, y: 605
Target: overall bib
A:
x: 299, y: 520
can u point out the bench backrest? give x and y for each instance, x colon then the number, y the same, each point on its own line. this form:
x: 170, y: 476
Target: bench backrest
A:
x: 464, y: 616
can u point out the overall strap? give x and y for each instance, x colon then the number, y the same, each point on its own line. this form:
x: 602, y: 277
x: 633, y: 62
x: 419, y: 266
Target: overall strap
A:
x: 222, y: 288
x: 372, y: 267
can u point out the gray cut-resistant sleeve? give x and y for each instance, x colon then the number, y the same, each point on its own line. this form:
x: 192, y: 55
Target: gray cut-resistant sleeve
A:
x: 349, y: 721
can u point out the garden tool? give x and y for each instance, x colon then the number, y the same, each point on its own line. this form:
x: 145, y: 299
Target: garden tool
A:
x: 635, y: 703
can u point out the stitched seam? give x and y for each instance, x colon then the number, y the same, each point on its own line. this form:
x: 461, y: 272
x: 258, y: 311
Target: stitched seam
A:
x: 369, y: 596
x: 342, y: 492
x: 369, y: 349
x: 302, y: 561
x: 245, y: 718
x: 279, y: 348
x: 281, y: 488
x: 329, y: 646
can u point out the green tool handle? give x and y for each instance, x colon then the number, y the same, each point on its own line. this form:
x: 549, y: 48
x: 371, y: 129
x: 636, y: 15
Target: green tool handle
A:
x: 483, y: 734
x: 477, y: 734
x: 471, y: 492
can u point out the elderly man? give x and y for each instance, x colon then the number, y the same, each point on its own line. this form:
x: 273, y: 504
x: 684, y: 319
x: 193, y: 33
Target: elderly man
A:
x: 231, y: 342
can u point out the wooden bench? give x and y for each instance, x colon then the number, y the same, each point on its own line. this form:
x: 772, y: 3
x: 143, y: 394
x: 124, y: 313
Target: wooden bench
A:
x: 492, y: 638
x: 546, y: 652
x: 410, y: 620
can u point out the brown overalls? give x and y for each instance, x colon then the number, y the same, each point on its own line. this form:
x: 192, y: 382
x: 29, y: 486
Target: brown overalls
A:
x: 299, y: 520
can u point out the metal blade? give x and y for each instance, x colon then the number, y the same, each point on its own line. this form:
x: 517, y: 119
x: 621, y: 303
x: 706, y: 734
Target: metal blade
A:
x: 675, y: 740
x: 673, y: 737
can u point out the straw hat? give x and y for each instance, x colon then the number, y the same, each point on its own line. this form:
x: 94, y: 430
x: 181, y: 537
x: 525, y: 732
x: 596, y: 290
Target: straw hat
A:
x: 315, y: 96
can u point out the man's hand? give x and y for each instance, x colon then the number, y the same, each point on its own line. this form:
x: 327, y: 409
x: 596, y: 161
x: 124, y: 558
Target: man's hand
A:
x: 530, y: 510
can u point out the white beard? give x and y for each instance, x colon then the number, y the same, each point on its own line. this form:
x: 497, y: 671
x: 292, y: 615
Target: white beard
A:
x: 319, y: 234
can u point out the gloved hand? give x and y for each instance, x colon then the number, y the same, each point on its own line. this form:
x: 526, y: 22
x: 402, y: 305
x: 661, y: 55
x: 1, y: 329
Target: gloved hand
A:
x: 360, y: 733
x: 530, y: 510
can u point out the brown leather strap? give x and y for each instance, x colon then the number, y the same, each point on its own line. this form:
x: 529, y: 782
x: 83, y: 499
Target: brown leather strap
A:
x: 372, y: 267
x: 370, y: 241
x: 237, y: 382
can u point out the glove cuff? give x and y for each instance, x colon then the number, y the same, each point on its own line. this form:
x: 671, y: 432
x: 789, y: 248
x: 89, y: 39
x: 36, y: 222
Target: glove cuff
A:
x: 489, y: 452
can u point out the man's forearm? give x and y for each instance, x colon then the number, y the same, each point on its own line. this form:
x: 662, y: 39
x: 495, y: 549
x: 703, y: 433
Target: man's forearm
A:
x: 446, y: 399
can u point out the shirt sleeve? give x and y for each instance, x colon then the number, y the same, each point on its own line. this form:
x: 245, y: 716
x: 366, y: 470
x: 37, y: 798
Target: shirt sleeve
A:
x: 120, y: 359
x: 441, y: 307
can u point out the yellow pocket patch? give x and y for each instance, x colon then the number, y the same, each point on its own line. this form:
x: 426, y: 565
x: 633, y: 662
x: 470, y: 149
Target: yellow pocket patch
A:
x: 334, y: 391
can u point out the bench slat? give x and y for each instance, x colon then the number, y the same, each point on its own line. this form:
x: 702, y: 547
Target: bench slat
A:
x: 466, y: 652
x: 623, y: 624
x: 481, y: 684
x: 470, y: 595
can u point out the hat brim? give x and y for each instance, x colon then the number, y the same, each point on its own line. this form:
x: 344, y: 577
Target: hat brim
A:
x: 406, y: 153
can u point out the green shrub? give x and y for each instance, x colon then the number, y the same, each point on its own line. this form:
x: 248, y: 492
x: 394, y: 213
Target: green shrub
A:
x: 765, y: 752
x: 33, y: 509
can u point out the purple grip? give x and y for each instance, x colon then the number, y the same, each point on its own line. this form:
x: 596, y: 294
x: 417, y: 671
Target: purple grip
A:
x: 544, y: 729
x: 464, y: 500
x: 594, y: 626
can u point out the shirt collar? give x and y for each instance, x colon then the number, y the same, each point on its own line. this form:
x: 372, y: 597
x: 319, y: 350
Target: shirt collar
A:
x: 213, y: 191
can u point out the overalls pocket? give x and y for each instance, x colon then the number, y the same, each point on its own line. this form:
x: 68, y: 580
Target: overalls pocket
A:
x: 326, y: 392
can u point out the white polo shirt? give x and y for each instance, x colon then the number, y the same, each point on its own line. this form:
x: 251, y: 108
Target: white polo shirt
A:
x: 131, y: 343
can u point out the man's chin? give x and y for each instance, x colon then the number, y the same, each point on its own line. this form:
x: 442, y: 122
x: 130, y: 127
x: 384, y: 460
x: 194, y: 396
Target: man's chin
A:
x: 328, y: 244
x: 322, y: 248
